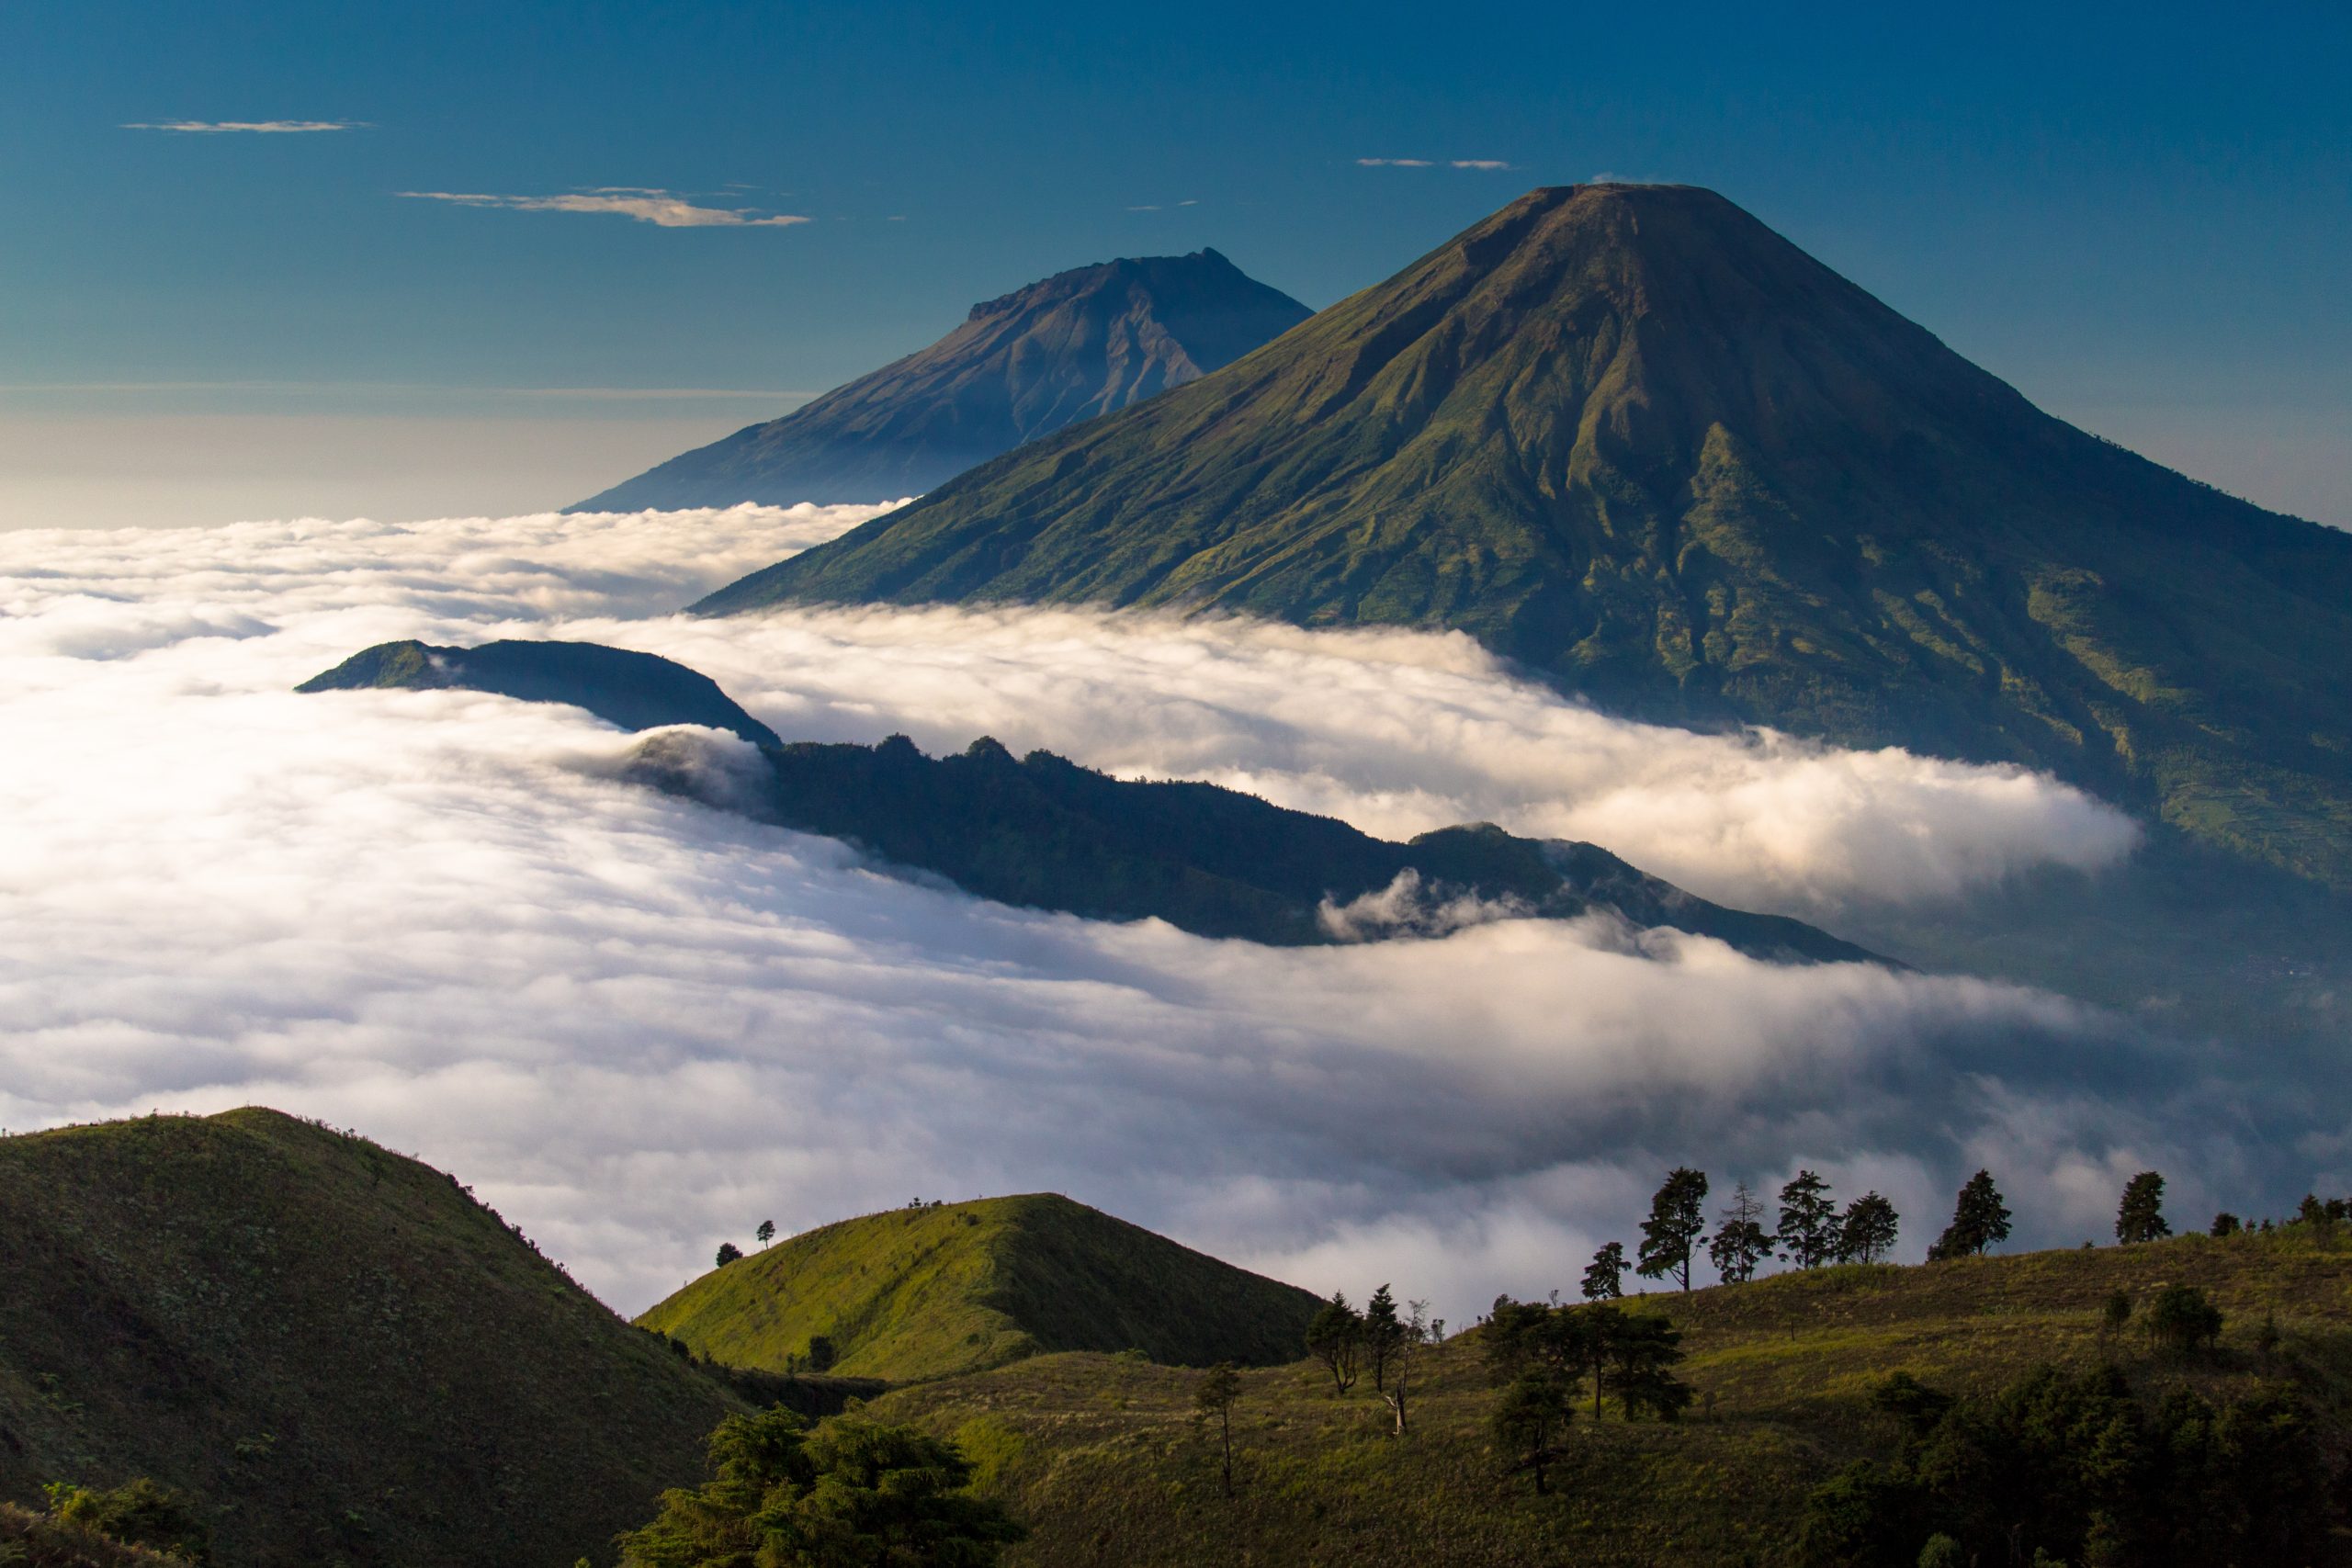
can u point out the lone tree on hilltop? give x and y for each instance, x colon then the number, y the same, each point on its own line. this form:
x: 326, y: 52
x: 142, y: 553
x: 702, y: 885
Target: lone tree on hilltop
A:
x: 1529, y: 1422
x: 1604, y: 1276
x: 2141, y: 1216
x: 1678, y: 1219
x: 1384, y: 1334
x: 727, y: 1253
x: 1868, y: 1231
x: 1808, y: 1232
x: 1742, y: 1242
x: 1213, y: 1401
x: 1979, y: 1220
x: 2226, y: 1224
x: 766, y: 1232
x: 1333, y: 1338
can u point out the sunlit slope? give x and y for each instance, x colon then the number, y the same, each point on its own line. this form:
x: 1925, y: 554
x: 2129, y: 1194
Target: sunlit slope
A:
x: 336, y: 1350
x: 1104, y: 1460
x: 1633, y: 438
x: 921, y: 1292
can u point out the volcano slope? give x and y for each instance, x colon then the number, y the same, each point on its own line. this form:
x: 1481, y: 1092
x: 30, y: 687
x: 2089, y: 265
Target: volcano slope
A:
x: 1069, y: 348
x: 1635, y: 440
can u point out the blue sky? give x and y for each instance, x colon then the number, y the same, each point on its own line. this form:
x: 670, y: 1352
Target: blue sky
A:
x: 2139, y: 215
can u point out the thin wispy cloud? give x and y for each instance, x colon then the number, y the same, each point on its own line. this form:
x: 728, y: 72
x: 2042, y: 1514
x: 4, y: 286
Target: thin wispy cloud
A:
x: 253, y: 126
x: 1431, y: 163
x: 662, y: 208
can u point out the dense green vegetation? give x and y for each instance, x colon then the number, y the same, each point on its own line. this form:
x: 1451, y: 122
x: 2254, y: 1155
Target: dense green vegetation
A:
x: 945, y: 1288
x: 1074, y: 345
x: 635, y: 691
x: 335, y: 1351
x: 1105, y: 1460
x: 1045, y: 832
x: 1633, y: 439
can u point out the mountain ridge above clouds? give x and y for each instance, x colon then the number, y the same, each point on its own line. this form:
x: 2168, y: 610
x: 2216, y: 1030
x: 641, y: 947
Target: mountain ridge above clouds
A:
x: 1045, y: 832
x: 1064, y: 349
x: 1636, y: 442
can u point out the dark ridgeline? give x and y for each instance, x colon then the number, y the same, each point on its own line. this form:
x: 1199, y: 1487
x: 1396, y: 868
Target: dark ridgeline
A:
x: 1631, y: 439
x: 1080, y: 344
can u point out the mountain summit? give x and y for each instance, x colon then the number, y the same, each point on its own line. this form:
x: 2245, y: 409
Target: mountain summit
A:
x: 1080, y: 344
x: 1631, y: 439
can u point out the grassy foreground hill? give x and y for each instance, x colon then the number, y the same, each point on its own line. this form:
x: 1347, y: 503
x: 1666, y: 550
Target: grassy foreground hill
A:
x: 1103, y: 1459
x: 335, y: 1350
x: 923, y: 1292
x: 1633, y: 439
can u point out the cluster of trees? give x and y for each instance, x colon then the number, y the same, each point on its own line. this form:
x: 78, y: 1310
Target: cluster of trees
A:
x: 2073, y: 1468
x: 846, y: 1493
x: 2321, y: 1214
x: 1379, y: 1339
x: 1541, y: 1354
x: 1811, y: 1231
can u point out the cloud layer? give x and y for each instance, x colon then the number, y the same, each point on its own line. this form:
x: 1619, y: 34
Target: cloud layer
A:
x: 662, y: 208
x: 638, y: 1025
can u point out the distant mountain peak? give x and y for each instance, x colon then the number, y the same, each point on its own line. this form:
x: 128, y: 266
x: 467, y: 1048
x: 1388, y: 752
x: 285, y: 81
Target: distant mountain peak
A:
x: 1633, y: 439
x: 1086, y: 342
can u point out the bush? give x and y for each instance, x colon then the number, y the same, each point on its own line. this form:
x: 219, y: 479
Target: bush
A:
x: 138, y: 1513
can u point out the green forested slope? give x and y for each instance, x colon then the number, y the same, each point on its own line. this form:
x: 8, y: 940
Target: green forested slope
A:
x: 1631, y: 439
x: 335, y: 1350
x: 924, y: 1292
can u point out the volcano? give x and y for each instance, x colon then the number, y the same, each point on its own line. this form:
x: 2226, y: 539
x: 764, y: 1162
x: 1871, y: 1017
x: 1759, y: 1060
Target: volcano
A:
x: 1076, y: 344
x: 1633, y: 440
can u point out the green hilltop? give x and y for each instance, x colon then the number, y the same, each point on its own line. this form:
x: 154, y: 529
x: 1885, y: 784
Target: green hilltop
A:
x: 926, y: 1292
x: 1634, y: 440
x: 1105, y: 1461
x: 340, y: 1353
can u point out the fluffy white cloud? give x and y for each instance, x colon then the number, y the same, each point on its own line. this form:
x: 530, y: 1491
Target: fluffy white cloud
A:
x: 660, y: 207
x: 638, y: 1025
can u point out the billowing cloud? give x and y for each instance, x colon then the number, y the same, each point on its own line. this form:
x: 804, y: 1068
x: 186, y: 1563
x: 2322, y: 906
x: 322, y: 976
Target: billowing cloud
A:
x: 663, y: 208
x: 638, y: 1025
x: 253, y: 127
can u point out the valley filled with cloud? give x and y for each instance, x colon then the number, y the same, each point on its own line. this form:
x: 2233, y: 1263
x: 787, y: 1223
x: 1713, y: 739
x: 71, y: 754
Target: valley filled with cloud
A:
x: 639, y: 1026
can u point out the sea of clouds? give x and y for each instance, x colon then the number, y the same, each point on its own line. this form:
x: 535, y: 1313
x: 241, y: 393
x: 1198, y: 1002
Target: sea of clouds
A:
x: 639, y: 1026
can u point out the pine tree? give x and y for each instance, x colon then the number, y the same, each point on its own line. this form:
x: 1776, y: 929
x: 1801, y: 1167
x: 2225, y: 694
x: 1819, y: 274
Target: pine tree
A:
x: 1604, y: 1276
x: 1333, y: 1338
x: 1808, y: 1233
x: 1979, y: 1220
x: 1678, y: 1219
x: 1868, y: 1231
x: 1213, y: 1401
x: 1529, y: 1421
x: 2141, y: 1215
x: 1741, y: 1242
x: 1383, y: 1332
x: 1643, y: 1349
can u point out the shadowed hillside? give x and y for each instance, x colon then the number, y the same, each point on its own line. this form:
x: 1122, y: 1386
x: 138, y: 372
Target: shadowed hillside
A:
x: 337, y: 1350
x: 1631, y: 439
x: 921, y: 1292
x: 1068, y: 348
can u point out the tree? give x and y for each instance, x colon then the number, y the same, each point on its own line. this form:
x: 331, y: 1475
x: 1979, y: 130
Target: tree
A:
x: 821, y: 1354
x: 2181, y: 1319
x: 1809, y: 1233
x: 2116, y: 1314
x: 2226, y: 1224
x: 727, y: 1253
x: 846, y: 1492
x: 1643, y: 1349
x: 2141, y: 1215
x: 1417, y: 1332
x: 1213, y: 1401
x: 1678, y: 1219
x: 1333, y: 1338
x: 1604, y: 1276
x: 1529, y: 1422
x: 766, y: 1232
x: 1979, y: 1220
x: 1867, y: 1232
x: 1382, y: 1334
x: 1742, y: 1242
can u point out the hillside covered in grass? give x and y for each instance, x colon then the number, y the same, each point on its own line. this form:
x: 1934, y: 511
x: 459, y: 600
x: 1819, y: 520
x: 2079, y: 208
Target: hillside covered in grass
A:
x: 335, y: 1351
x: 1104, y: 1460
x: 923, y: 1292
